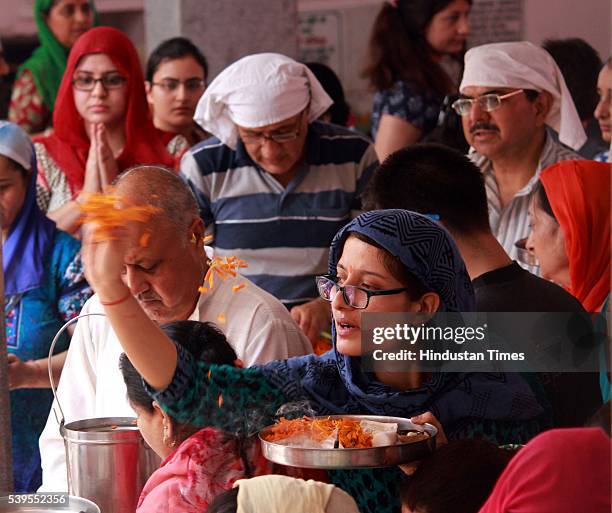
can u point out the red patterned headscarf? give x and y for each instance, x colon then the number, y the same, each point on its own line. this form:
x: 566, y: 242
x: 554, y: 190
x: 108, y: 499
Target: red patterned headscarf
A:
x: 69, y: 144
x: 579, y: 194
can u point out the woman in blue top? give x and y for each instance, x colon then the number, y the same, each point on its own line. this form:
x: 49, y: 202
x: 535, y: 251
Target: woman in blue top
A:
x: 408, y: 40
x: 383, y: 261
x: 44, y: 287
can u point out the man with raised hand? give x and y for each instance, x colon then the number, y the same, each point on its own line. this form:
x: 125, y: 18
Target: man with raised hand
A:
x: 164, y: 271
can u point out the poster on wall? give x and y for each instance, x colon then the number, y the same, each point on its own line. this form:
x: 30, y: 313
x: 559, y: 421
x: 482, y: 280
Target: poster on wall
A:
x: 320, y: 38
x: 494, y: 21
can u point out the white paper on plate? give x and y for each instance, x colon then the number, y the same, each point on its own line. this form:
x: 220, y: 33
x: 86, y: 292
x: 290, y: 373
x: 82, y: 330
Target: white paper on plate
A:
x: 383, y: 433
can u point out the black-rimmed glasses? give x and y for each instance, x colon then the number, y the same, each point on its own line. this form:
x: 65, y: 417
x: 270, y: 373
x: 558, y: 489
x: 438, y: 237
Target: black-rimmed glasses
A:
x: 86, y: 82
x: 487, y: 102
x: 354, y: 296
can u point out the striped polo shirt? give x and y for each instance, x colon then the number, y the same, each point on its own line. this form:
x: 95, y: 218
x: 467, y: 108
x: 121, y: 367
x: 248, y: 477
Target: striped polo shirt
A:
x: 511, y: 223
x: 283, y: 233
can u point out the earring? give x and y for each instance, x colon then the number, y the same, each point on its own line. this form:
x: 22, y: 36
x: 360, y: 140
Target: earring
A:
x: 167, y: 441
x: 193, y: 238
x: 165, y: 437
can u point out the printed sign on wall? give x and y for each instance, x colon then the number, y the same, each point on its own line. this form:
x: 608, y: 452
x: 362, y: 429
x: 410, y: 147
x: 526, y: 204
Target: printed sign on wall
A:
x: 320, y: 38
x: 495, y: 21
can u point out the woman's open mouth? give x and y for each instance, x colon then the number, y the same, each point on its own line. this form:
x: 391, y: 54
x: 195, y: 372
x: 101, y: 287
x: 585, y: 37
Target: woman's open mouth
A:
x: 344, y: 328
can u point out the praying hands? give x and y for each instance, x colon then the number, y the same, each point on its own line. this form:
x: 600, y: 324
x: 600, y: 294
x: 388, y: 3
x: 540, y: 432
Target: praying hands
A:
x: 101, y: 167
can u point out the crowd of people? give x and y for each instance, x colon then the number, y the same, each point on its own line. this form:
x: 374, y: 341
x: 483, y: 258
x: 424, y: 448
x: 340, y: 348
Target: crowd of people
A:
x: 483, y: 185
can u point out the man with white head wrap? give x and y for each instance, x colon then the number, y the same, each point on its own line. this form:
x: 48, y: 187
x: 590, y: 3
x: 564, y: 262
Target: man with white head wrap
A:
x: 510, y: 93
x: 275, y: 185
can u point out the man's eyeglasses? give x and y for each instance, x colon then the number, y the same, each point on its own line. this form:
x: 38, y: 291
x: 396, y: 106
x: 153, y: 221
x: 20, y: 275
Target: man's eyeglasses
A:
x: 353, y: 296
x: 86, y: 82
x: 487, y: 102
x: 281, y: 137
x: 170, y: 85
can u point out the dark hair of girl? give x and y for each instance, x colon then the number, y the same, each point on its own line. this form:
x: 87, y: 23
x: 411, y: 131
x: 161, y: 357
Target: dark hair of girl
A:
x: 398, y: 50
x: 202, y: 339
x: 172, y: 49
x: 458, y: 477
x: 16, y: 166
x: 225, y: 502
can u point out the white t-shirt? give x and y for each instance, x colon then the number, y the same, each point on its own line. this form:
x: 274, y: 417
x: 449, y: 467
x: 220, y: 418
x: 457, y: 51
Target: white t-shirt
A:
x: 257, y: 326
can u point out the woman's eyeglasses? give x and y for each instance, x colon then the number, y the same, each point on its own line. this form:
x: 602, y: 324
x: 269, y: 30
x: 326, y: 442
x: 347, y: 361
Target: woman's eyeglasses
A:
x: 487, y: 102
x: 170, y: 85
x: 354, y: 296
x: 86, y: 82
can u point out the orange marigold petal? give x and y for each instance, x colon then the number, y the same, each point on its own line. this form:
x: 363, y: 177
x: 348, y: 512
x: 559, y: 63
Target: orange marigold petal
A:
x: 144, y: 239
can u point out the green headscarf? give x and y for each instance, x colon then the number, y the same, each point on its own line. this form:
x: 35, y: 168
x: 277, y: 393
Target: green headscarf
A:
x: 48, y: 62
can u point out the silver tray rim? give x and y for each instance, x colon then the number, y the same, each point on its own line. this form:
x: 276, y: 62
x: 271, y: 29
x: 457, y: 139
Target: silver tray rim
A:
x: 364, y: 457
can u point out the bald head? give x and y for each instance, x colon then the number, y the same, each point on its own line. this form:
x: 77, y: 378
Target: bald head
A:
x: 162, y: 188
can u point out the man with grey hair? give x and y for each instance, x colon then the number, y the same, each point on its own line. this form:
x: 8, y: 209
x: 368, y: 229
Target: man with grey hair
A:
x: 164, y: 274
x: 275, y: 184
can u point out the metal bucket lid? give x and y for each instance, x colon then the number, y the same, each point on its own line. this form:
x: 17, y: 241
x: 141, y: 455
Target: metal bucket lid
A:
x: 74, y: 505
x: 104, y: 430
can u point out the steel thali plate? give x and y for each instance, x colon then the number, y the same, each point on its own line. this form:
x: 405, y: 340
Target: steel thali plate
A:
x: 386, y: 456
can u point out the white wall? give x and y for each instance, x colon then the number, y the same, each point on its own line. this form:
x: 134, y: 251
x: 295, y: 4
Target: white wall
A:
x: 590, y: 20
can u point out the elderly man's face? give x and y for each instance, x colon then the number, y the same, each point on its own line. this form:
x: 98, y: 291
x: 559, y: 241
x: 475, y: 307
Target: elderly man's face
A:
x: 277, y: 148
x: 164, y: 275
x: 507, y: 131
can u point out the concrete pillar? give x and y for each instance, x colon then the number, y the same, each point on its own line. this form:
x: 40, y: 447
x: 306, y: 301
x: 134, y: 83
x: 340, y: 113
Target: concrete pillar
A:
x: 225, y: 30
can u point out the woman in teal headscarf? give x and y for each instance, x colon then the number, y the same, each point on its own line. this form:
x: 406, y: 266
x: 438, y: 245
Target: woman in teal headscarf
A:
x: 59, y: 23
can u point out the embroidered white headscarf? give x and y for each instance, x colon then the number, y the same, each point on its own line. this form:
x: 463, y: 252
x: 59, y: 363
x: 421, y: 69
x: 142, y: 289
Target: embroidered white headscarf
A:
x: 256, y: 91
x: 281, y: 494
x: 526, y: 66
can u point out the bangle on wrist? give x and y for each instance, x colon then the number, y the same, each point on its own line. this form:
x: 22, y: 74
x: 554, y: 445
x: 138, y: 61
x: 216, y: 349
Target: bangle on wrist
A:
x: 118, y: 301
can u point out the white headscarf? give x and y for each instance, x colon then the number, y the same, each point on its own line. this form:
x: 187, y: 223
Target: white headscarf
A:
x: 280, y: 494
x: 256, y: 91
x: 16, y: 145
x: 526, y: 66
